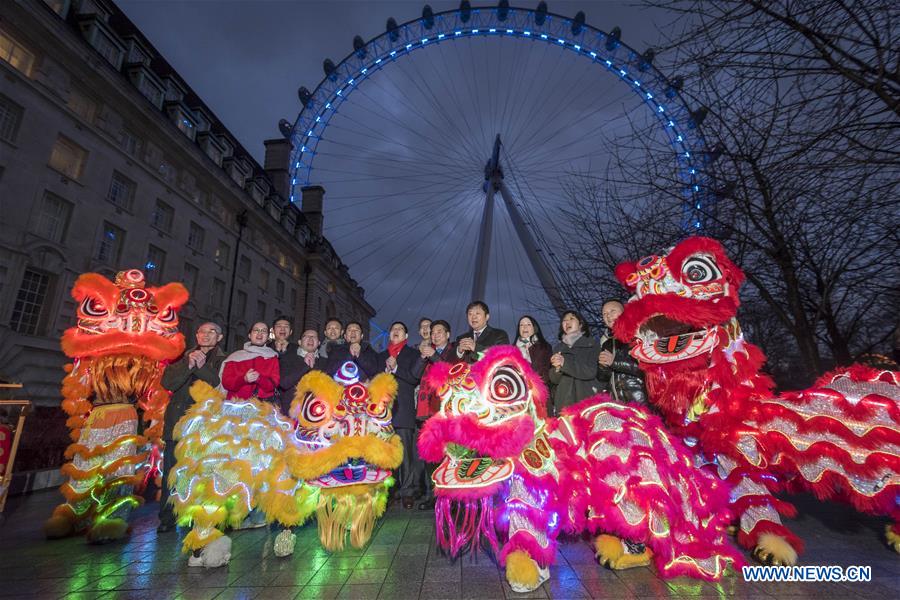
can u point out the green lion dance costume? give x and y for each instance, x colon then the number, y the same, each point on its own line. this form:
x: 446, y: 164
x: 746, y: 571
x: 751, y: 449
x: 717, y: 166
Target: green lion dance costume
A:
x: 235, y: 456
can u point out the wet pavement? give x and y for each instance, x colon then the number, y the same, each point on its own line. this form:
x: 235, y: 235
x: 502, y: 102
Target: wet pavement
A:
x: 400, y: 562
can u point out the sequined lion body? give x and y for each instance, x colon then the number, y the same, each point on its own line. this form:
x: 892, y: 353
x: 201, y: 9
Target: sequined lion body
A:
x: 332, y: 460
x: 601, y: 467
x: 125, y: 334
x: 839, y: 439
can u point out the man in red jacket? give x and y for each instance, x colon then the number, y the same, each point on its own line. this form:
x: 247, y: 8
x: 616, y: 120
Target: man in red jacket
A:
x: 253, y: 371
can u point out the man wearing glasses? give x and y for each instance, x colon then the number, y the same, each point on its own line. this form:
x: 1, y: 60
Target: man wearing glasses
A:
x: 200, y: 362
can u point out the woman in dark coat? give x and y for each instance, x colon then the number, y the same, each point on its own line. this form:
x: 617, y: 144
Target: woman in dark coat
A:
x: 534, y: 348
x: 573, y: 371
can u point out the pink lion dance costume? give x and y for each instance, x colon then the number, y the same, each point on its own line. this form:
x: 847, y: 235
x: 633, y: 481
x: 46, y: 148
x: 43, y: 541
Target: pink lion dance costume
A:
x: 839, y: 439
x: 601, y: 467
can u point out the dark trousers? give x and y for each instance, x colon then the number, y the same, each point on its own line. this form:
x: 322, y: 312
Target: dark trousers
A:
x: 423, y: 475
x: 407, y: 484
x: 166, y: 516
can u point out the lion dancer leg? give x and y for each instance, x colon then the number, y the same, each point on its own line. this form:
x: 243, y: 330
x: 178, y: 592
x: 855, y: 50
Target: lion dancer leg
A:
x: 104, y: 471
x: 532, y: 530
x: 760, y: 527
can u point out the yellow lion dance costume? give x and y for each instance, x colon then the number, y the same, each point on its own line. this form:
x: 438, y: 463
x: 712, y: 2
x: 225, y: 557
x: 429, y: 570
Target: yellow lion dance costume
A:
x: 125, y: 335
x: 333, y: 461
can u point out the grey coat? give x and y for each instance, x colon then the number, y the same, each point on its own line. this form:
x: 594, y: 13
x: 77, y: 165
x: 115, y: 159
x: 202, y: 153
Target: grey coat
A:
x: 577, y: 379
x: 178, y: 377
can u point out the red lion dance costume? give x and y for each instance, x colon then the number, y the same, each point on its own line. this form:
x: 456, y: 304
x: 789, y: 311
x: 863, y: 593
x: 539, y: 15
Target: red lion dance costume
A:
x: 601, y: 467
x: 839, y: 439
x: 125, y: 335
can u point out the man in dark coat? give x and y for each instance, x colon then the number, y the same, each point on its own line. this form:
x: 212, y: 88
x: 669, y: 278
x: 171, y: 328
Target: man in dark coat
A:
x: 480, y: 336
x: 354, y: 349
x: 282, y: 329
x: 406, y: 365
x: 332, y: 336
x: 618, y: 371
x: 297, y: 363
x: 202, y: 362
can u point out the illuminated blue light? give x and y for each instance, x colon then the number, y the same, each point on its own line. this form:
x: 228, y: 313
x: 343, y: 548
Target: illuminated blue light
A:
x: 309, y: 133
x: 492, y: 30
x: 474, y: 31
x: 339, y: 92
x: 577, y: 47
x: 697, y: 224
x: 457, y: 33
x: 394, y: 53
x: 637, y: 83
x: 297, y: 166
x: 561, y: 41
x: 543, y: 36
x: 693, y: 171
x: 671, y: 124
x: 408, y: 46
x: 424, y: 41
x: 303, y: 149
x: 698, y: 206
x: 377, y: 61
x: 609, y: 63
x: 294, y: 181
x: 526, y: 33
x: 364, y: 71
x: 441, y: 36
x: 661, y: 108
x: 623, y: 73
x: 679, y: 138
x: 350, y: 81
x: 328, y: 105
x: 150, y: 265
x: 687, y: 154
x: 697, y: 189
x: 649, y: 96
x: 509, y: 31
x: 318, y: 119
x: 593, y: 55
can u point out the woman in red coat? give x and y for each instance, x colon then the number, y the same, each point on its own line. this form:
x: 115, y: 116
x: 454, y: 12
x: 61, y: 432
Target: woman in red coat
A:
x: 253, y: 371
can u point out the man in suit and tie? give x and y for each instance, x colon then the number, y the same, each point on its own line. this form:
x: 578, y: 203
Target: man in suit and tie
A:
x: 481, y: 336
x: 296, y: 363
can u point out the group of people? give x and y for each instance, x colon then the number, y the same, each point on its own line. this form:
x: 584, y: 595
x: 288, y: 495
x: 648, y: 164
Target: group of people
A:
x: 270, y: 365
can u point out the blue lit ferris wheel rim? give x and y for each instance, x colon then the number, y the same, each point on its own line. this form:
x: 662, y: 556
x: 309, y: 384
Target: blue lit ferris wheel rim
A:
x: 647, y: 82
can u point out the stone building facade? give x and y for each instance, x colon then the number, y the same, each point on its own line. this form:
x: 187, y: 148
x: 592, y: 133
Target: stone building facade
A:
x: 108, y: 160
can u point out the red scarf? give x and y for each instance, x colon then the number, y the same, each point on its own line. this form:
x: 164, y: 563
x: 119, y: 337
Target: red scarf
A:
x: 394, y: 349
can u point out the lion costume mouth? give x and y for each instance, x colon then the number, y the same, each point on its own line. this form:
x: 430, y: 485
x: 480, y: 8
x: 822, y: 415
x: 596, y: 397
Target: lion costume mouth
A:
x: 349, y: 461
x: 661, y: 339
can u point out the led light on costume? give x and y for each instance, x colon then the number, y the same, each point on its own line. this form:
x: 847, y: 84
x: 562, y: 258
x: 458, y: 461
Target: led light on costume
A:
x: 839, y: 439
x: 124, y: 335
x: 507, y: 471
x: 333, y: 462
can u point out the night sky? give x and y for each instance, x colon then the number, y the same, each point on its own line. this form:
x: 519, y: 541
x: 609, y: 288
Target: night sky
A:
x: 403, y: 165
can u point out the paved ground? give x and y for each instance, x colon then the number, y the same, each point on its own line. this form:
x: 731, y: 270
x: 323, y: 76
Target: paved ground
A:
x: 401, y: 562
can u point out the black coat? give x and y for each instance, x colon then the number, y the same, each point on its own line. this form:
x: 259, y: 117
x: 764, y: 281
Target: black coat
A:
x: 577, y: 379
x: 410, y: 367
x: 367, y: 361
x: 489, y: 337
x: 292, y: 368
x: 623, y: 379
x: 178, y: 378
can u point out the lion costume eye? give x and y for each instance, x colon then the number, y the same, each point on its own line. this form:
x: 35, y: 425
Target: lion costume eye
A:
x: 167, y: 316
x: 314, y: 410
x: 378, y: 410
x: 92, y: 307
x: 699, y: 269
x: 508, y: 385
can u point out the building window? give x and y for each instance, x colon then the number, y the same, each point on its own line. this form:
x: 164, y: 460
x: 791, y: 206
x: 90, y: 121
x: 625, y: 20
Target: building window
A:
x: 110, y: 243
x: 68, y: 158
x: 15, y: 54
x: 156, y: 263
x: 241, y: 304
x: 264, y: 280
x: 168, y: 172
x: 130, y: 143
x: 150, y: 90
x: 10, y: 119
x: 293, y: 298
x: 279, y: 289
x: 30, y: 302
x: 163, y: 216
x: 217, y: 293
x: 53, y: 220
x: 195, y: 237
x: 82, y: 105
x: 223, y: 251
x: 107, y: 49
x: 121, y: 191
x: 191, y: 275
x: 244, y: 268
x: 261, y: 311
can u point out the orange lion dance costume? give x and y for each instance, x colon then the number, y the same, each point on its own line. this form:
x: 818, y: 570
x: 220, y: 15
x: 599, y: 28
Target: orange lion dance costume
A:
x: 125, y: 335
x: 839, y: 439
